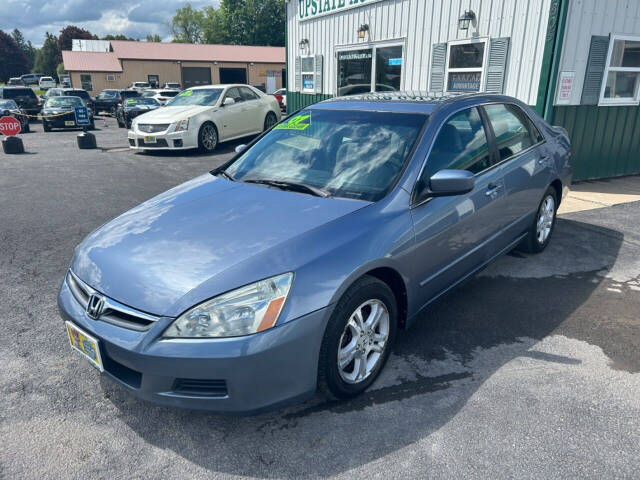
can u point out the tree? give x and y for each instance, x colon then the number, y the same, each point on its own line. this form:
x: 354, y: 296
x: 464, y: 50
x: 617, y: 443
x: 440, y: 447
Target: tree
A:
x: 13, y: 61
x: 186, y: 25
x: 48, y: 57
x: 27, y: 47
x: 154, y: 38
x: 70, y: 33
x: 120, y: 37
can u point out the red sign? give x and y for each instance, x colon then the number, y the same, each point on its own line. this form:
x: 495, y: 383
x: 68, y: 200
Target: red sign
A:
x: 9, y: 126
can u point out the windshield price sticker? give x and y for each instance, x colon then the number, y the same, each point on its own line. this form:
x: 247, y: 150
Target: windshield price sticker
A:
x: 186, y: 93
x: 131, y: 102
x: 296, y: 123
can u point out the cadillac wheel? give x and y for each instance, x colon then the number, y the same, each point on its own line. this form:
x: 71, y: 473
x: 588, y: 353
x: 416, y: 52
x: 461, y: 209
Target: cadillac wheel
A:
x: 207, y: 138
x: 358, y: 338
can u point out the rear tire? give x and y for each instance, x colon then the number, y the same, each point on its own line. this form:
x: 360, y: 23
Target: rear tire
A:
x: 46, y: 127
x: 356, y: 347
x: 543, y: 224
x: 207, y: 137
x: 270, y: 120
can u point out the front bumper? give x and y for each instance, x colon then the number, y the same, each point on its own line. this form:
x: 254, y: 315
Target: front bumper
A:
x: 242, y: 375
x: 164, y: 141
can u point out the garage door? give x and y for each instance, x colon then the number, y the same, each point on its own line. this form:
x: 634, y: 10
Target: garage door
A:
x: 233, y: 75
x: 194, y: 76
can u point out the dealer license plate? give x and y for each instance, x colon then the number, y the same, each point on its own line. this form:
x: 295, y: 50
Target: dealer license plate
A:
x: 85, y: 345
x: 149, y: 139
x: 69, y: 123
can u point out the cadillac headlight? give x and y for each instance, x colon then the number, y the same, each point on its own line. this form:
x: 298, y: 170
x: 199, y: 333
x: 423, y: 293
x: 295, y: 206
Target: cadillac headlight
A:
x: 182, y: 125
x: 246, y: 310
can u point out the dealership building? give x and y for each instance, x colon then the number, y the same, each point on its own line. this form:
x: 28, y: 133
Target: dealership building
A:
x: 577, y: 62
x: 95, y: 65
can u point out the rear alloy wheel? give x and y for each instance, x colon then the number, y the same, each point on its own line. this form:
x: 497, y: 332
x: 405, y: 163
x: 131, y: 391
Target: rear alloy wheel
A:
x: 358, y: 338
x: 270, y: 120
x: 545, y: 220
x: 207, y: 138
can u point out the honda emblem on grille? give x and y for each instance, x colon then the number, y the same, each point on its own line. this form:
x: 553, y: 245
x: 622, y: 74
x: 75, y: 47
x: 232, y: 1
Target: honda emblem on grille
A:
x: 95, y: 306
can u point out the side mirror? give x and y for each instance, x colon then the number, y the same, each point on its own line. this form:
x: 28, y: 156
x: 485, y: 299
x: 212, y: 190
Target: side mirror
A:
x: 228, y: 101
x: 447, y: 183
x: 241, y: 148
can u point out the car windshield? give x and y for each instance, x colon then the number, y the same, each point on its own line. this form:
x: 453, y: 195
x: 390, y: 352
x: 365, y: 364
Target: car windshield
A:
x: 64, y: 102
x: 200, y: 96
x: 149, y: 93
x: 7, y: 104
x: 129, y: 93
x: 352, y: 154
x: 141, y: 101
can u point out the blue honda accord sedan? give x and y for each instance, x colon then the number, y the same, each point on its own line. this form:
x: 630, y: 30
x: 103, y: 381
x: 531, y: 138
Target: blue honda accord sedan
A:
x: 292, y: 267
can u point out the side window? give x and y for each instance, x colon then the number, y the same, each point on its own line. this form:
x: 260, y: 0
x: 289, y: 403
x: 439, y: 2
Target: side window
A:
x: 247, y: 94
x: 234, y: 93
x: 460, y: 145
x: 512, y: 129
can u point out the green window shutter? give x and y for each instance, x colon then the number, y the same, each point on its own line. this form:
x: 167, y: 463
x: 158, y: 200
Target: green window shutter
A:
x: 595, y: 70
x: 438, y: 60
x: 497, y: 64
x: 298, y: 73
x: 318, y: 73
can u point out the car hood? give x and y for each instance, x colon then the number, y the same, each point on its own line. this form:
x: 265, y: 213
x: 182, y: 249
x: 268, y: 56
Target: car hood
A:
x: 170, y: 114
x: 151, y: 256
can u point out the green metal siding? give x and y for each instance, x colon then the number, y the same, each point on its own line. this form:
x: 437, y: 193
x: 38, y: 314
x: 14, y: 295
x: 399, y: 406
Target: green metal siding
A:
x: 605, y: 140
x: 296, y: 101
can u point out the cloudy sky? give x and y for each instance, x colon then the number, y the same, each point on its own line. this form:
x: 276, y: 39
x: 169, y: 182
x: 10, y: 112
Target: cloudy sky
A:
x: 135, y: 18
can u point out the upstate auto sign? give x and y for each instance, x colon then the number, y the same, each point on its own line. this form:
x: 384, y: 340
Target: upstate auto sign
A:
x: 308, y: 9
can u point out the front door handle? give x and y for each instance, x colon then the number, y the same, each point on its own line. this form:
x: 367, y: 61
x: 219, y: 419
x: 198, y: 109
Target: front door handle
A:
x: 492, y: 190
x: 543, y: 161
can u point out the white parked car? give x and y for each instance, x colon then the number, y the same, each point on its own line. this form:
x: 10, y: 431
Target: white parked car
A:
x: 161, y: 95
x: 46, y: 82
x: 139, y: 86
x: 200, y: 117
x: 172, y: 86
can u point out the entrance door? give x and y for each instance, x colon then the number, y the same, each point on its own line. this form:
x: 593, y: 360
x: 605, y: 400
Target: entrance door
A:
x: 271, y: 83
x: 153, y: 80
x: 233, y: 75
x: 195, y: 76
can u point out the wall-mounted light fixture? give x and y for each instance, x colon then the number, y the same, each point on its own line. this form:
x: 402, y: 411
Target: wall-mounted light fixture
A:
x: 465, y: 19
x: 362, y: 31
x: 304, y: 44
x: 215, y: 63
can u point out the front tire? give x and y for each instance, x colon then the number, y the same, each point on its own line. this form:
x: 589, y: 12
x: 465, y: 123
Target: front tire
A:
x: 112, y: 111
x: 358, y: 338
x: 46, y: 127
x: 270, y: 120
x: 207, y: 137
x: 543, y: 224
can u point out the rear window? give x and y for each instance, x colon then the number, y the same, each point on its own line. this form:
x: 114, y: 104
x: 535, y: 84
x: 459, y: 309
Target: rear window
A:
x: 17, y: 92
x: 129, y: 93
x: 169, y: 93
x: 78, y: 93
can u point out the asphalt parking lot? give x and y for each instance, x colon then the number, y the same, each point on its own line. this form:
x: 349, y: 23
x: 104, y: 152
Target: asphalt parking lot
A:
x: 529, y: 370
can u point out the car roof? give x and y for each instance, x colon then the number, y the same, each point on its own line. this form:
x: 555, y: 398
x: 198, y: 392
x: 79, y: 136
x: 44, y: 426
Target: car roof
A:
x: 401, y: 101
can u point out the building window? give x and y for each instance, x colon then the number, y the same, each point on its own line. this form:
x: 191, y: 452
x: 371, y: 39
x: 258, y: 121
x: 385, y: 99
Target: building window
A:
x: 622, y: 72
x: 465, y: 67
x: 374, y: 69
x: 308, y: 74
x: 110, y: 78
x: 85, y: 81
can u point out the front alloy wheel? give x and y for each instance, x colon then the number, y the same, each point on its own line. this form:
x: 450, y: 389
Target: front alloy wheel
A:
x: 358, y: 338
x: 207, y: 138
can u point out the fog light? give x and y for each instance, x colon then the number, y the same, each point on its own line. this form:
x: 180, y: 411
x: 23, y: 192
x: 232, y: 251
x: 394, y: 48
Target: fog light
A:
x: 177, y: 143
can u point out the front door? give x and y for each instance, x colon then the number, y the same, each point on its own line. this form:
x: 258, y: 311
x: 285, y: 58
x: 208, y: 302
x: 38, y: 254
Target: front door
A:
x: 233, y: 118
x: 452, y: 233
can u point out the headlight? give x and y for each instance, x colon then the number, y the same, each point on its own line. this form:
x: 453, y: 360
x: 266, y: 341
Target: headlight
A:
x: 182, y: 125
x: 243, y: 311
x: 134, y: 123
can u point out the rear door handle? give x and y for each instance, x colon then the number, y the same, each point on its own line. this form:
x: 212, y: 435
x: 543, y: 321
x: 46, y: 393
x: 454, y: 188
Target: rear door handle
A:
x: 543, y: 161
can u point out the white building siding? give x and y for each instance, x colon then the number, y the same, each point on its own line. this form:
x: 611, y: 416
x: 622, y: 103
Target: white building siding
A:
x: 586, y: 18
x: 419, y: 24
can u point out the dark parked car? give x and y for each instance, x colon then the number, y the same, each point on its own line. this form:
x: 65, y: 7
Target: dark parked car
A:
x: 31, y: 78
x: 293, y: 265
x: 59, y: 112
x: 132, y: 107
x: 9, y: 108
x: 109, y: 100
x: 15, y: 81
x: 78, y: 92
x: 26, y: 99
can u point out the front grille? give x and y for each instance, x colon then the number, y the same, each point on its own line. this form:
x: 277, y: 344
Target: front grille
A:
x: 153, y: 127
x: 200, y: 388
x: 113, y: 312
x: 160, y: 143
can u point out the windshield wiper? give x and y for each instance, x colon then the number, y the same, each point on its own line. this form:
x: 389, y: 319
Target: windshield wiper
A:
x: 291, y: 186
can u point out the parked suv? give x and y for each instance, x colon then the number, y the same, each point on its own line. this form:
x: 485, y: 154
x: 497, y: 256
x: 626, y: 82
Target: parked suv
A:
x: 15, y: 81
x: 26, y: 99
x: 140, y: 86
x: 108, y: 100
x: 77, y: 92
x: 46, y: 83
x: 31, y: 78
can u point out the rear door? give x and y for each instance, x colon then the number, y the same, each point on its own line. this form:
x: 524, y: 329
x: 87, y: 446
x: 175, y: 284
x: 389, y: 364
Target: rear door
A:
x: 525, y: 166
x: 254, y: 111
x: 452, y: 232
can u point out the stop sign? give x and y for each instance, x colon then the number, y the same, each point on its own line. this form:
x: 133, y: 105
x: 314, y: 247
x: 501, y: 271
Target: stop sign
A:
x: 9, y: 126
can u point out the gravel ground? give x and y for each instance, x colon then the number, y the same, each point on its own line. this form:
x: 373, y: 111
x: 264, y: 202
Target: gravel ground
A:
x: 529, y: 370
